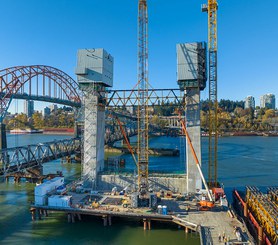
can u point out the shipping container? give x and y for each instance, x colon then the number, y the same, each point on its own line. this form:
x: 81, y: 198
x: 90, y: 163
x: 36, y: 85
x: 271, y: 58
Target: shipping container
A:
x: 41, y: 200
x: 59, y: 201
x: 48, y: 186
x: 44, y: 188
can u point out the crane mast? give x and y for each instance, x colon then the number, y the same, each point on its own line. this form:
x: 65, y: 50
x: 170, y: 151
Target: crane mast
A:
x: 143, y: 158
x: 211, y: 9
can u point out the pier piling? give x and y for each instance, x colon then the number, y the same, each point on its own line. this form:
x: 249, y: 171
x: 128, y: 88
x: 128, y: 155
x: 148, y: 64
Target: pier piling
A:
x: 33, y: 213
x: 149, y: 224
x: 109, y: 220
x: 145, y: 224
x: 72, y: 218
x: 104, y: 220
x: 39, y: 214
x: 79, y: 217
x: 69, y: 217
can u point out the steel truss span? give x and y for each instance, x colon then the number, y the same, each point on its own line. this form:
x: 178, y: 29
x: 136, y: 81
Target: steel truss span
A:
x: 38, y: 82
x: 155, y: 97
x: 18, y: 159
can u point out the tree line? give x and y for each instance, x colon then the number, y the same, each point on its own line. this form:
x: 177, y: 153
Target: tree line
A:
x: 57, y: 119
x: 231, y: 116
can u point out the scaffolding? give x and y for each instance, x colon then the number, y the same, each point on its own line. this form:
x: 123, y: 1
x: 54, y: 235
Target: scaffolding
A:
x: 143, y: 156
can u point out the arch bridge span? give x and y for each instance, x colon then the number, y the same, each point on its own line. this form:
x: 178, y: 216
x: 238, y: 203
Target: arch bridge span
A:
x: 37, y: 82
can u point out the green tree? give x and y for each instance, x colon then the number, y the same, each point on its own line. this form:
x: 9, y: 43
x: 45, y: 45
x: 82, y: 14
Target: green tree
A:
x: 38, y: 122
x: 269, y: 113
x: 19, y: 121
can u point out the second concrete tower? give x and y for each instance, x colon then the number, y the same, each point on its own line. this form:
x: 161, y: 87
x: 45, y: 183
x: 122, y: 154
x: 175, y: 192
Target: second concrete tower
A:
x: 191, y: 73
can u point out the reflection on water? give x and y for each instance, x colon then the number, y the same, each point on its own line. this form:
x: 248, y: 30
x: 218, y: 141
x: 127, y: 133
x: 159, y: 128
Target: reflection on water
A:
x: 16, y: 225
x: 242, y: 161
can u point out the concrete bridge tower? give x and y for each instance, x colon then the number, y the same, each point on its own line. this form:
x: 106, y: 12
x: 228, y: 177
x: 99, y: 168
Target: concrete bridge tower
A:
x: 94, y: 73
x: 191, y: 73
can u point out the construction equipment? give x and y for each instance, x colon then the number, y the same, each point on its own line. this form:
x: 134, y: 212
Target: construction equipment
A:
x: 95, y: 204
x: 203, y: 203
x: 142, y: 112
x: 125, y: 203
x: 169, y: 194
x: 211, y: 9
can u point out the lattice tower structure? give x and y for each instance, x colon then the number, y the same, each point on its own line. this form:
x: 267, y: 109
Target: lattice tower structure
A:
x: 211, y: 8
x: 143, y: 157
x: 93, y: 131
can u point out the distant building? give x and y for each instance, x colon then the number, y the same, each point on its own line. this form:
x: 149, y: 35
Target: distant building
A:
x: 268, y: 101
x: 46, y: 112
x: 29, y: 108
x: 249, y: 102
x: 53, y: 108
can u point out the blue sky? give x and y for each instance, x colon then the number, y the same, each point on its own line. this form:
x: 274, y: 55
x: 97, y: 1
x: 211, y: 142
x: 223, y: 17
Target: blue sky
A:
x: 51, y: 31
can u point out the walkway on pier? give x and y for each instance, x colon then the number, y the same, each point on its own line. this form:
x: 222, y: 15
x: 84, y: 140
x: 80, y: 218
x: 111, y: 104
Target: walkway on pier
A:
x: 215, y: 223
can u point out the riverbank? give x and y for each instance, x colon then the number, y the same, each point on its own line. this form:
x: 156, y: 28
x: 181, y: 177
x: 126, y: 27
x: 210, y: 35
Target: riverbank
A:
x: 55, y: 131
x: 244, y: 133
x: 60, y: 131
x: 152, y: 151
x: 24, y: 131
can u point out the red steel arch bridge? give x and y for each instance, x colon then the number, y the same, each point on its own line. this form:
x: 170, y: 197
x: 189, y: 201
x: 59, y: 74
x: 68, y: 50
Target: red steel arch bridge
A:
x: 37, y: 82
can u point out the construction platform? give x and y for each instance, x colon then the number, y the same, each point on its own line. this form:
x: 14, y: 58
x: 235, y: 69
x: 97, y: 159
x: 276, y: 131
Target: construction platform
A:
x: 181, y: 210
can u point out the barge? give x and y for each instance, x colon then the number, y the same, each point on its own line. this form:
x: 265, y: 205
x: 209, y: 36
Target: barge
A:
x: 259, y: 212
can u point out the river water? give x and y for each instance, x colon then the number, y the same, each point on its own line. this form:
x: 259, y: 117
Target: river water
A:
x: 242, y: 161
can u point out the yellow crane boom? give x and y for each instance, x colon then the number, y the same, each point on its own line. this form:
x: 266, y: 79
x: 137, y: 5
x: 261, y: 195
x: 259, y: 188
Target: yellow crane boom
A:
x: 211, y: 8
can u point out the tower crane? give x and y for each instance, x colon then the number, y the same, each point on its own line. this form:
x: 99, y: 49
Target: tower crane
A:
x: 211, y: 8
x: 143, y: 157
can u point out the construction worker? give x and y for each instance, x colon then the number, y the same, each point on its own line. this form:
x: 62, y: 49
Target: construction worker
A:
x: 219, y: 237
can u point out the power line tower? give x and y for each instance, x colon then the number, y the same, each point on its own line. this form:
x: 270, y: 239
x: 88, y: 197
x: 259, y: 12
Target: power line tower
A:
x: 211, y: 9
x: 143, y: 157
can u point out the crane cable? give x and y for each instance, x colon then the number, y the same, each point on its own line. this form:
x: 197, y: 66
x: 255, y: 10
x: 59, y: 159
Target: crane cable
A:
x: 125, y: 138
